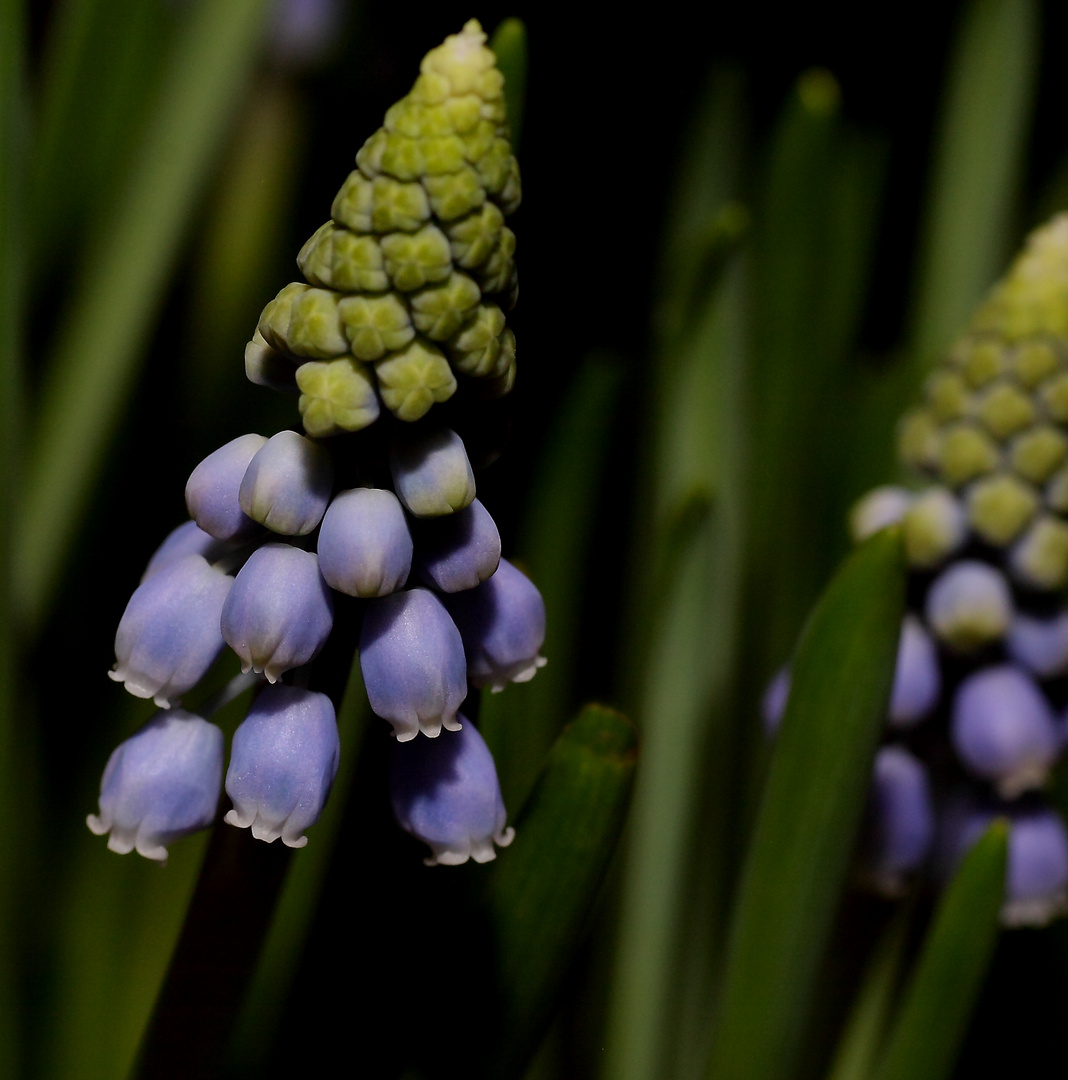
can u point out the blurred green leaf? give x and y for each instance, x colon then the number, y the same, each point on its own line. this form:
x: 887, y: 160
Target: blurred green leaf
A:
x: 978, y: 168
x: 542, y: 890
x: 950, y: 970
x: 100, y: 70
x: 13, y: 106
x: 509, y: 42
x: 102, y: 336
x: 865, y: 1029
x: 811, y: 809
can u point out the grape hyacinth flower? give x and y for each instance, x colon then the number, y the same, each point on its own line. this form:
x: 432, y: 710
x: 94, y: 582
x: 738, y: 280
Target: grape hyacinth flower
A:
x: 287, y: 484
x: 365, y: 547
x: 445, y: 792
x: 169, y: 634
x: 283, y: 762
x: 402, y: 307
x: 412, y: 659
x: 160, y: 785
x: 502, y: 623
x: 213, y: 488
x: 279, y: 612
x: 460, y: 551
x: 1003, y: 729
x: 917, y: 679
x: 900, y: 827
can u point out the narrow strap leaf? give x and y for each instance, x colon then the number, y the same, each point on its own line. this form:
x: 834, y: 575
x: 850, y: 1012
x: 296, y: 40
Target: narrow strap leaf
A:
x: 542, y: 891
x: 950, y: 971
x: 509, y: 42
x: 809, y: 815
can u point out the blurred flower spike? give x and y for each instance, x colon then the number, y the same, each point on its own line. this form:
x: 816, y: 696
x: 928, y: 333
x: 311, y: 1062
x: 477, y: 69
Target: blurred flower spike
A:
x: 403, y: 308
x: 985, y: 531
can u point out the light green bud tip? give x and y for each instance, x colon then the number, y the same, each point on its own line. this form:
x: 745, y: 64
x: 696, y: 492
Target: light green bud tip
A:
x: 993, y: 423
x: 416, y: 267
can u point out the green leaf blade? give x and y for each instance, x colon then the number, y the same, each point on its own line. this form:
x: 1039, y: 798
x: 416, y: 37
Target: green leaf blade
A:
x: 810, y: 813
x: 541, y: 891
x: 950, y: 971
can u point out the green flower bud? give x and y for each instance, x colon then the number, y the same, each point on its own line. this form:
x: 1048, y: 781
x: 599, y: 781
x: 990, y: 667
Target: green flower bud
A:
x: 438, y: 311
x: 455, y: 194
x: 1040, y: 558
x: 337, y: 258
x: 375, y: 325
x: 918, y: 439
x: 275, y: 317
x: 475, y: 237
x: 495, y: 274
x: 337, y: 396
x: 933, y: 528
x: 1005, y: 409
x: 948, y: 395
x: 1000, y: 506
x: 353, y: 203
x: 1036, y: 360
x: 981, y: 360
x: 1037, y: 452
x: 476, y: 347
x: 413, y: 379
x: 1054, y: 394
x: 1057, y: 492
x: 965, y: 452
x: 315, y: 326
x: 398, y: 206
x: 414, y: 259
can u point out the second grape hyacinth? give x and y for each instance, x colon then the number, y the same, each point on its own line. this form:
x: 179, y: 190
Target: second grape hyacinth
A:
x: 978, y: 714
x: 402, y: 309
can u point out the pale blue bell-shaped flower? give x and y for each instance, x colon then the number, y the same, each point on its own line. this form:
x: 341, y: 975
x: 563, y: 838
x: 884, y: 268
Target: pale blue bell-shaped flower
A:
x: 1003, y: 729
x: 459, y: 551
x: 188, y: 539
x: 1040, y: 645
x: 969, y: 605
x: 160, y: 785
x: 432, y: 475
x: 287, y: 484
x: 365, y: 547
x: 412, y: 659
x: 502, y: 624
x: 279, y: 612
x: 917, y: 677
x: 880, y: 507
x: 211, y: 492
x: 900, y: 826
x: 169, y: 633
x: 445, y: 792
x: 283, y: 762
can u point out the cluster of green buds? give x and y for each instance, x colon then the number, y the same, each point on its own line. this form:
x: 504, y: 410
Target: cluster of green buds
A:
x: 408, y: 283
